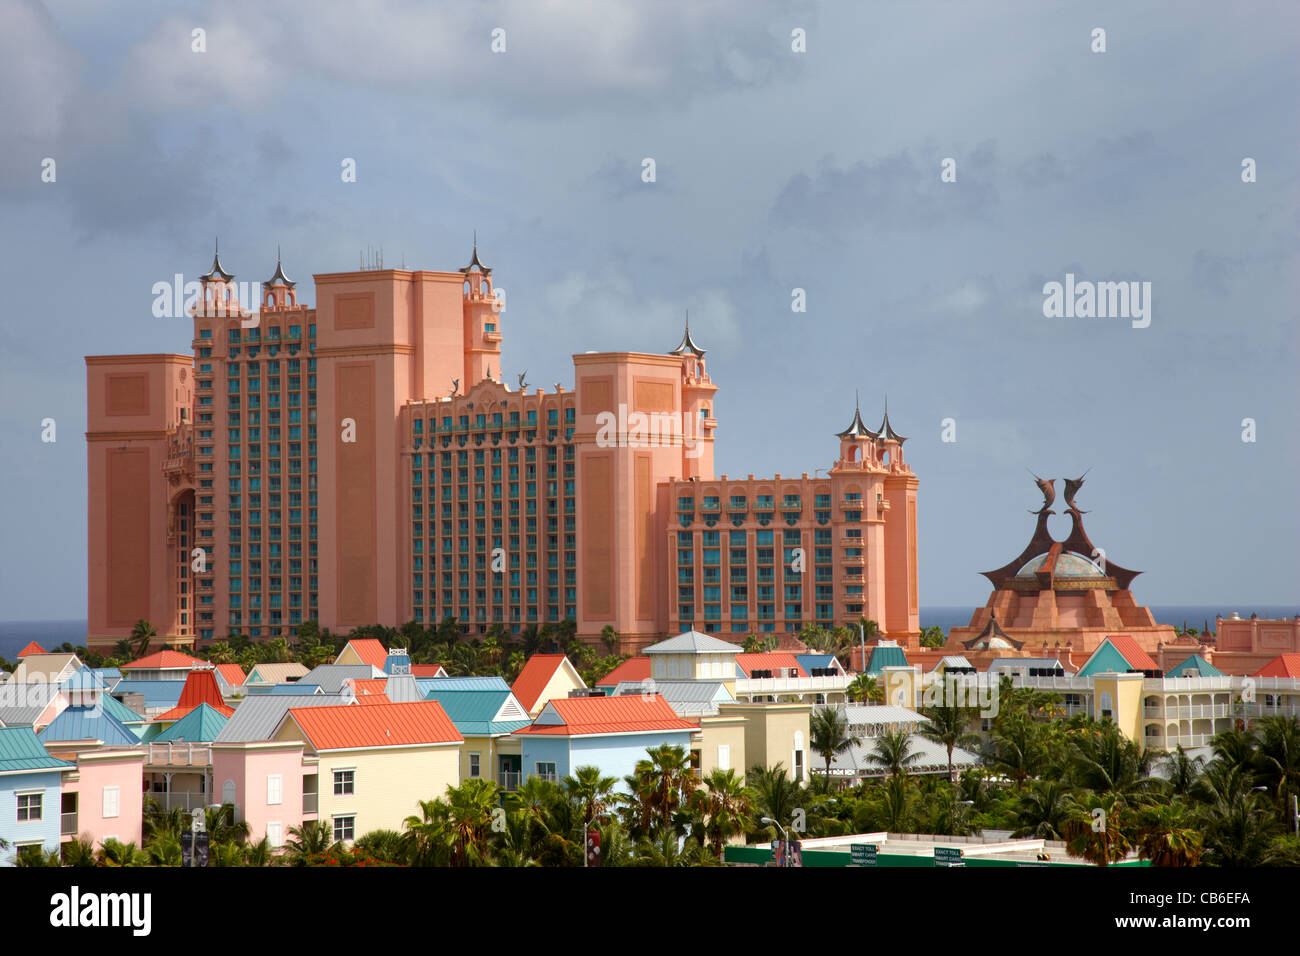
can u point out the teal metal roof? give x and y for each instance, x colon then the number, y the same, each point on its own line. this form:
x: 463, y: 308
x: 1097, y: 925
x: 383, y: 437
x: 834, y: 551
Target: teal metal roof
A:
x: 20, y: 749
x: 1106, y: 659
x: 203, y: 723
x: 427, y: 684
x: 885, y: 656
x: 88, y: 723
x: 122, y: 712
x: 1195, y: 666
x: 472, y: 710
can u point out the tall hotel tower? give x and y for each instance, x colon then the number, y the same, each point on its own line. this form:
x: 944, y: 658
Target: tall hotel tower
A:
x: 363, y: 462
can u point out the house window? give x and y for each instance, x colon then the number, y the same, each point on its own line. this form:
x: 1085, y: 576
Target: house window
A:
x: 546, y: 770
x: 274, y: 789
x: 275, y: 833
x: 29, y: 806
x: 345, y: 828
x: 343, y: 784
x: 724, y: 756
x: 473, y: 765
x: 112, y: 801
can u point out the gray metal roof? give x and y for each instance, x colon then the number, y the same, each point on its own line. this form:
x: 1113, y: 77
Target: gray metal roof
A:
x: 688, y: 698
x: 402, y: 689
x: 256, y: 718
x: 1017, y: 663
x: 330, y: 677
x: 693, y: 642
x: 22, y: 703
x: 933, y: 758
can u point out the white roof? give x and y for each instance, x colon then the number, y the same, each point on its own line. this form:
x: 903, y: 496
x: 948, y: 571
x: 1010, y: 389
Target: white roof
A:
x: 693, y: 642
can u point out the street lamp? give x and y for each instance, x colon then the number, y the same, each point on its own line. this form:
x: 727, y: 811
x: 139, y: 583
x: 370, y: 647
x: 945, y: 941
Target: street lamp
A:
x: 784, y: 839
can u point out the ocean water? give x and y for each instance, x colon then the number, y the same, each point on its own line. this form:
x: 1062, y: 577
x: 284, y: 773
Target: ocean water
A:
x: 14, y: 635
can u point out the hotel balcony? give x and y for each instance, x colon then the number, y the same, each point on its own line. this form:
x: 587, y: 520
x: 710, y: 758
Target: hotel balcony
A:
x: 1193, y: 710
x: 792, y: 686
x: 310, y: 803
x: 179, y: 754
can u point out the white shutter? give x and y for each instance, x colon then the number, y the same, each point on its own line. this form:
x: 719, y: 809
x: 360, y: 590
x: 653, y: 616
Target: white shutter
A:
x: 724, y: 756
x: 274, y: 789
x: 274, y: 833
x: 111, y: 801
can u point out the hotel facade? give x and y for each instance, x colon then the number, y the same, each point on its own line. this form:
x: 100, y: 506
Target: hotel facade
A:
x: 364, y: 462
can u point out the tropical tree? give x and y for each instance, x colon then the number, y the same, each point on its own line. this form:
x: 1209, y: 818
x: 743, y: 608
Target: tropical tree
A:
x: 658, y: 789
x: 593, y: 793
x: 1277, y: 759
x: 468, y: 820
x: 775, y: 795
x: 894, y: 751
x: 311, y: 839
x: 113, y: 853
x: 1042, y: 810
x: 1182, y: 770
x: 142, y: 635
x: 725, y: 808
x: 1100, y: 838
x: 948, y: 725
x: 829, y: 735
x: 1167, y: 836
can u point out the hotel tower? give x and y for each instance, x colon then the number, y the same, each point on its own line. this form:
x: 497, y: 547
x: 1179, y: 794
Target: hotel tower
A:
x: 365, y: 461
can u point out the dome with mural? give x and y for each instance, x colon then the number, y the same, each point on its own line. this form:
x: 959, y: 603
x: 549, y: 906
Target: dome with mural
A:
x: 1068, y: 565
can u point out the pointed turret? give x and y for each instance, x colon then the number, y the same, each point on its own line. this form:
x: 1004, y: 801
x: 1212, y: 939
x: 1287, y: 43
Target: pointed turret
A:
x: 217, y: 272
x: 857, y: 428
x: 688, y: 346
x: 279, y: 278
x: 475, y: 264
x: 886, y: 430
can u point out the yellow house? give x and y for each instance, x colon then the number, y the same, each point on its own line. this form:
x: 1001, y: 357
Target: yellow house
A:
x: 544, y: 678
x: 376, y: 761
x: 720, y: 744
x: 774, y: 733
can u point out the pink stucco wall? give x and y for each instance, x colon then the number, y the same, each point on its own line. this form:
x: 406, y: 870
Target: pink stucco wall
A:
x: 97, y: 771
x: 248, y: 766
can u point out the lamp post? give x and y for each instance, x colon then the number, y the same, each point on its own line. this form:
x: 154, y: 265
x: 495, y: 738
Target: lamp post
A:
x: 784, y: 839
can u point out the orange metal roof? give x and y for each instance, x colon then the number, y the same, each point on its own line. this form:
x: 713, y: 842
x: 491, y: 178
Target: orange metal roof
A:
x: 633, y: 713
x: 200, y: 688
x: 1284, y: 665
x: 164, y: 659
x: 232, y: 674
x: 370, y: 691
x: 32, y: 648
x: 370, y: 650
x: 532, y: 680
x: 1133, y: 653
x: 380, y: 725
x: 427, y: 670
x: 635, y: 668
x: 770, y: 661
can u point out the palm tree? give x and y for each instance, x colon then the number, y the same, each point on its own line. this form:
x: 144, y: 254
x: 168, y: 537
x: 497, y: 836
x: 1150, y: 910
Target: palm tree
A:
x: 113, y: 853
x: 1234, y: 831
x: 469, y: 814
x: 667, y: 850
x: 659, y: 788
x: 311, y: 839
x: 1018, y: 747
x: 893, y: 751
x: 79, y: 852
x: 865, y: 689
x: 142, y: 636
x: 1183, y: 770
x: 593, y: 793
x: 1277, y: 761
x: 222, y: 826
x: 1042, y: 810
x: 946, y: 724
x: 1109, y: 763
x: 776, y: 796
x: 828, y: 732
x: 1166, y: 837
x: 725, y: 807
x: 428, y: 836
x: 164, y: 850
x: 386, y: 845
x: 1100, y: 839
x: 515, y: 841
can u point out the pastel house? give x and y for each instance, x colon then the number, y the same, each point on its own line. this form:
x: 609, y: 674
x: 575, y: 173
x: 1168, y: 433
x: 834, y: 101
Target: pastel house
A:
x: 30, y: 787
x: 103, y: 799
x: 486, y: 718
x: 376, y: 763
x: 612, y: 733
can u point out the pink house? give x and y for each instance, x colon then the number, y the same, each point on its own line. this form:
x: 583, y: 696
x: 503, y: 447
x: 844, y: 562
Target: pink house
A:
x: 269, y: 783
x: 104, y: 798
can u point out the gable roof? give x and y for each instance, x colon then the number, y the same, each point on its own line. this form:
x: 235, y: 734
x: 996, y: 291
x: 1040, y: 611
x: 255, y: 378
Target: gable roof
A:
x: 590, y: 716
x: 1194, y: 666
x: 257, y: 717
x: 381, y: 725
x: 1026, y: 663
x: 402, y: 689
x: 369, y: 690
x: 809, y: 661
x: 276, y: 673
x: 537, y: 673
x: 200, y: 688
x: 203, y: 723
x: 21, y: 751
x: 1117, y: 653
x: 634, y: 668
x: 43, y: 666
x: 31, y: 648
x: 494, y: 682
x: 294, y: 689
x: 331, y: 677
x: 482, y: 711
x: 427, y: 670
x: 87, y: 723
x: 22, y: 704
x: 122, y: 712
x: 693, y: 642
x: 369, y: 649
x: 687, y: 698
x: 166, y: 660
x: 232, y: 674
x: 770, y: 660
x: 158, y: 694
x: 1284, y: 665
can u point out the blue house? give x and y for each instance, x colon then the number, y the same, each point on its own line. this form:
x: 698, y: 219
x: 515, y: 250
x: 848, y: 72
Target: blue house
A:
x: 611, y: 733
x: 30, y: 793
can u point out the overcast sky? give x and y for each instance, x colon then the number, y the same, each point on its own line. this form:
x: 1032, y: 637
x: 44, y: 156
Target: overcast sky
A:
x: 775, y: 170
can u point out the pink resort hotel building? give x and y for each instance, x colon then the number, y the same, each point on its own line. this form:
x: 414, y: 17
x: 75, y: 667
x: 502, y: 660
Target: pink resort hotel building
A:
x: 364, y: 462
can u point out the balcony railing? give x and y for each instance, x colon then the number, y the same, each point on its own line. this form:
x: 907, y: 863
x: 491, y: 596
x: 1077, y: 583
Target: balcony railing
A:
x: 179, y: 754
x: 183, y: 801
x: 509, y: 779
x: 68, y: 824
x: 310, y: 802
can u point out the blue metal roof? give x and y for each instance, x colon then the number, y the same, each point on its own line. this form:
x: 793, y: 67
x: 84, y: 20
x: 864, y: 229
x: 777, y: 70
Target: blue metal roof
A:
x: 157, y: 693
x: 427, y: 684
x: 885, y: 656
x: 88, y: 723
x: 203, y: 723
x: 809, y: 661
x: 20, y: 750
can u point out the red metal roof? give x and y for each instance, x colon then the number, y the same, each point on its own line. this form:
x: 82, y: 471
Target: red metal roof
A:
x: 633, y: 713
x: 163, y: 660
x: 370, y: 691
x: 1284, y: 665
x: 427, y: 670
x: 771, y: 661
x: 635, y: 668
x: 232, y: 674
x: 532, y: 680
x: 32, y: 648
x: 200, y: 688
x: 1133, y: 653
x: 370, y: 650
x: 380, y: 725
